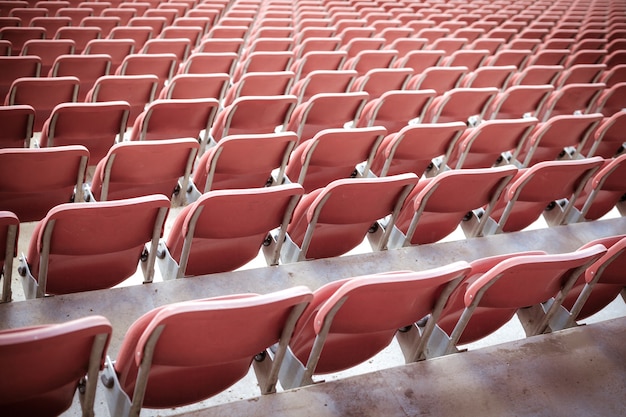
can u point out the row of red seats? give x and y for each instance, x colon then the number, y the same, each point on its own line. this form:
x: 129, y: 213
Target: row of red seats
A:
x: 297, y: 334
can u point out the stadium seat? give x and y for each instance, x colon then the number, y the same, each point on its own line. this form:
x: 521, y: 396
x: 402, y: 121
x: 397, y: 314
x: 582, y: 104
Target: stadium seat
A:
x: 351, y: 320
x: 440, y: 79
x: 60, y: 173
x: 263, y: 61
x: 18, y: 36
x: 105, y: 23
x: 43, y: 94
x: 273, y: 83
x: 209, y: 63
x: 14, y: 67
x: 581, y: 74
x: 117, y: 49
x: 9, y: 234
x: 191, y: 33
x: 135, y: 169
x: 420, y: 60
x: 317, y: 61
x: 505, y: 57
x: 17, y: 126
x: 467, y: 105
x: 436, y: 206
x: 378, y: 81
x: 179, y: 47
x: 612, y: 100
x: 212, y: 45
x: 63, y: 257
x: 87, y: 68
x: 520, y: 101
x: 195, y: 86
x: 489, y: 77
x: 138, y: 34
x: 323, y: 81
x: 50, y: 23
x: 608, y: 140
x: 571, y: 99
x: 161, y: 65
x: 367, y: 60
x: 124, y: 14
x: 395, y: 109
x: 225, y: 229
x: 537, y: 75
x: 96, y: 126
x: 333, y: 220
x: 52, y: 363
x: 158, y: 379
x: 48, y: 50
x: 333, y: 154
x: 81, y: 35
x: 614, y: 75
x: 549, y: 57
x: 76, y: 14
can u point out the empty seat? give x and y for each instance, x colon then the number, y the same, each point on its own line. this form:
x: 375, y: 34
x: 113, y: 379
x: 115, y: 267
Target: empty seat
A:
x: 351, y: 320
x: 105, y: 23
x: 63, y: 256
x: 395, y: 109
x: 333, y: 154
x: 60, y: 172
x: 80, y: 35
x: 242, y: 161
x: 549, y: 57
x: 570, y: 99
x: 437, y: 206
x: 66, y: 359
x: 527, y: 196
x: 50, y: 24
x: 516, y: 57
x: 26, y: 14
x: 252, y: 114
x: 14, y: 67
x: 117, y: 49
x: 138, y: 34
x: 612, y: 100
x: 190, y: 86
x: 161, y: 65
x: 225, y: 229
x: 470, y: 58
x: 608, y: 140
x: 440, y: 79
x: 97, y: 126
x: 209, y: 63
x: 134, y: 169
x: 489, y: 77
x: 18, y: 36
x: 491, y: 143
x: 367, y: 60
x: 76, y: 14
x: 580, y: 73
x: 323, y: 81
x: 191, y: 33
x: 520, y: 101
x: 87, y: 68
x: 136, y: 90
x: 9, y: 233
x: 559, y: 137
x: 154, y: 381
x: 48, y: 50
x: 538, y: 75
x: 43, y: 94
x: 467, y: 105
x: 420, y: 60
x: 413, y: 148
x: 614, y: 75
x: 179, y: 47
x: 17, y: 126
x: 264, y: 61
x: 333, y: 220
x: 378, y: 81
x: 260, y: 84
x: 324, y: 111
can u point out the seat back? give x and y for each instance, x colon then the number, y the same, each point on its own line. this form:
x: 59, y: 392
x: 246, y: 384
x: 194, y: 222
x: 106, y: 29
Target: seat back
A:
x: 48, y: 363
x: 489, y: 77
x: 378, y: 81
x: 80, y: 35
x: 570, y: 99
x: 117, y: 49
x: 323, y: 81
x: 604, y: 191
x: 14, y: 67
x: 17, y: 126
x: 48, y: 50
x: 133, y: 169
x: 440, y: 79
x: 64, y: 257
x: 538, y: 75
x: 260, y: 84
x: 467, y: 105
x: 9, y: 233
x: 190, y: 86
x: 612, y: 100
x: 87, y: 68
x: 59, y: 171
x: 607, y: 139
x: 318, y: 61
x: 395, y: 109
x: 519, y: 101
x: 161, y: 65
x: 18, y: 36
x: 210, y: 63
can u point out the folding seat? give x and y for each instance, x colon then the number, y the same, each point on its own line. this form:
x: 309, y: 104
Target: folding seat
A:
x: 538, y: 75
x: 66, y: 359
x: 492, y: 45
x: 414, y: 147
x: 437, y: 206
x: 242, y: 161
x: 405, y: 46
x: 69, y: 229
x: 97, y: 6
x: 612, y: 100
x: 106, y: 24
x: 260, y: 84
x: 615, y: 58
x: 325, y: 111
x: 469, y: 33
x: 87, y: 68
x: 26, y: 14
x: 572, y: 99
x: 52, y: 6
x: 48, y: 50
x: 608, y: 140
x: 76, y: 14
x: 603, y: 192
x: 519, y: 101
x: 14, y: 67
x: 151, y: 380
x: 318, y: 60
x: 117, y: 49
x: 135, y: 169
x: 590, y: 44
x: 136, y: 90
x: 9, y: 234
x: 618, y: 44
x: 95, y: 126
x: 263, y: 61
x: 168, y: 14
x: 601, y: 283
x: 489, y: 77
x: 210, y: 63
x: 559, y: 43
x: 586, y: 56
x: 420, y: 60
x: 138, y: 34
x: 527, y: 196
x: 468, y: 105
x: 419, y: 24
x: 323, y: 81
x: 367, y: 60
x: 10, y: 21
x: 394, y: 34
x: 449, y: 45
x: 17, y: 126
x: 179, y: 47
x: 224, y: 31
x: 378, y: 81
x: 348, y: 33
x: 351, y: 320
x: 549, y: 57
x: 43, y: 94
x: 18, y: 36
x: 209, y: 45
x: 192, y: 33
x: 333, y: 154
x: 80, y: 35
x: 559, y: 137
x: 440, y: 79
x: 156, y: 24
x: 124, y: 14
x: 491, y: 143
x: 252, y: 115
x: 395, y: 109
x: 60, y: 172
x: 356, y: 45
x: 50, y: 24
x: 500, y: 286
x: 190, y: 86
x: 432, y: 34
x: 267, y: 44
x: 515, y: 57
x: 173, y: 119
x: 580, y: 73
x: 470, y: 58
x: 7, y: 6
x: 161, y: 65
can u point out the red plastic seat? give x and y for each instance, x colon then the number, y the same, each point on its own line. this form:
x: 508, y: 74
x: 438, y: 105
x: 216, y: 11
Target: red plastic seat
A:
x: 17, y: 126
x: 520, y: 101
x: 378, y: 81
x: 395, y: 109
x: 97, y: 126
x: 225, y: 229
x: 65, y: 358
x: 161, y: 65
x: 505, y: 57
x: 59, y: 171
x: 549, y: 57
x: 48, y: 50
x: 570, y: 99
x: 138, y: 34
x: 538, y: 75
x: 323, y: 81
x: 211, y: 45
x: 117, y: 49
x: 105, y: 23
x: 420, y: 60
x: 179, y: 47
x: 253, y: 115
x: 351, y: 320
x: 50, y: 23
x: 76, y: 14
x: 580, y: 73
x: 195, y: 86
x: 440, y: 79
x: 612, y: 100
x: 437, y: 206
x: 614, y: 75
x: 607, y: 139
x: 63, y: 252
x: 159, y: 379
x: 87, y: 68
x: 333, y: 154
x: 135, y: 169
x: 209, y: 63
x: 18, y: 36
x: 333, y: 220
x: 489, y: 77
x: 470, y: 58
x: 263, y: 61
x: 467, y: 105
x: 81, y: 35
x: 260, y: 84
x: 14, y: 67
x: 9, y: 234
x: 367, y: 60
